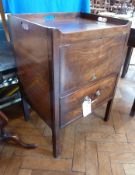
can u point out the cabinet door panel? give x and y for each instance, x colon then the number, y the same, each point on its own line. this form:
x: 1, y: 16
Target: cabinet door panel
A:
x: 86, y: 62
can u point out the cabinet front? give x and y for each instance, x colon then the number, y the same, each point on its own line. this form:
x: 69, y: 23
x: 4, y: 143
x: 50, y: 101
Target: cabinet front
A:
x: 88, y: 61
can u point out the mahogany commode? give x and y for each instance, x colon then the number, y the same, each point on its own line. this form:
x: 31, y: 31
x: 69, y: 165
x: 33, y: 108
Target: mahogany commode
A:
x: 63, y: 58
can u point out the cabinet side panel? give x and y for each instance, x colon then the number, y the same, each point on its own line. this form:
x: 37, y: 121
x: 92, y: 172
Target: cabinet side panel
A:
x: 32, y: 57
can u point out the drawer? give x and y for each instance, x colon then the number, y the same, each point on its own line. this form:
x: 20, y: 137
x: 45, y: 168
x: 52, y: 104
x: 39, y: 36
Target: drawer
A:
x: 89, y: 61
x: 71, y: 105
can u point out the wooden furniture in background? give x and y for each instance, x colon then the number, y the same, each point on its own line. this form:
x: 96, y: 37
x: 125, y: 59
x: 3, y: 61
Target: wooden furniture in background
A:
x: 4, y: 21
x: 66, y: 58
x: 131, y: 46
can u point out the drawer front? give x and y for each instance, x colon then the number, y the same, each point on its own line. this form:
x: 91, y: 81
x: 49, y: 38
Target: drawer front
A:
x: 86, y: 62
x: 71, y: 105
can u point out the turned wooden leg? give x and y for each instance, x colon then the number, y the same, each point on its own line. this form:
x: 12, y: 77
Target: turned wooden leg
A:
x: 108, y: 110
x: 132, y: 112
x: 56, y: 142
x: 127, y: 62
x: 7, y: 136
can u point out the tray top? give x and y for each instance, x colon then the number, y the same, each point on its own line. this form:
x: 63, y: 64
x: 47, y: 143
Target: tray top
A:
x: 77, y: 25
x: 71, y: 22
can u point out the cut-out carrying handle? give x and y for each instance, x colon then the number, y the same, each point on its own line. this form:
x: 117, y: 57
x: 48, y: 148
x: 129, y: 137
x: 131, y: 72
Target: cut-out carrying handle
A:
x: 102, y: 19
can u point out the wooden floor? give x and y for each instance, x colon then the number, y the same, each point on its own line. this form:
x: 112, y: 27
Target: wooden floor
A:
x: 89, y: 146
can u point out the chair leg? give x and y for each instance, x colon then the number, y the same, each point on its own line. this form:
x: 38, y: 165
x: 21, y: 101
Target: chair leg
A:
x: 6, y: 136
x: 132, y: 112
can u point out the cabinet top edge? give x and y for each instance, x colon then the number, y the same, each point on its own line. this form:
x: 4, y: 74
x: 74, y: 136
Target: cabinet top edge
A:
x: 72, y: 22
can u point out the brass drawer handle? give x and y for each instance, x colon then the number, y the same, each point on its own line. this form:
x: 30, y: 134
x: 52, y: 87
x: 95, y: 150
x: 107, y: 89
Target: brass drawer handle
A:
x: 87, y: 98
x: 94, y: 77
x: 98, y: 93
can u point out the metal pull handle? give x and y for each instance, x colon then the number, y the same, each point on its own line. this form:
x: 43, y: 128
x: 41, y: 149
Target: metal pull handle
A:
x: 87, y: 98
x: 98, y: 93
x: 94, y: 77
